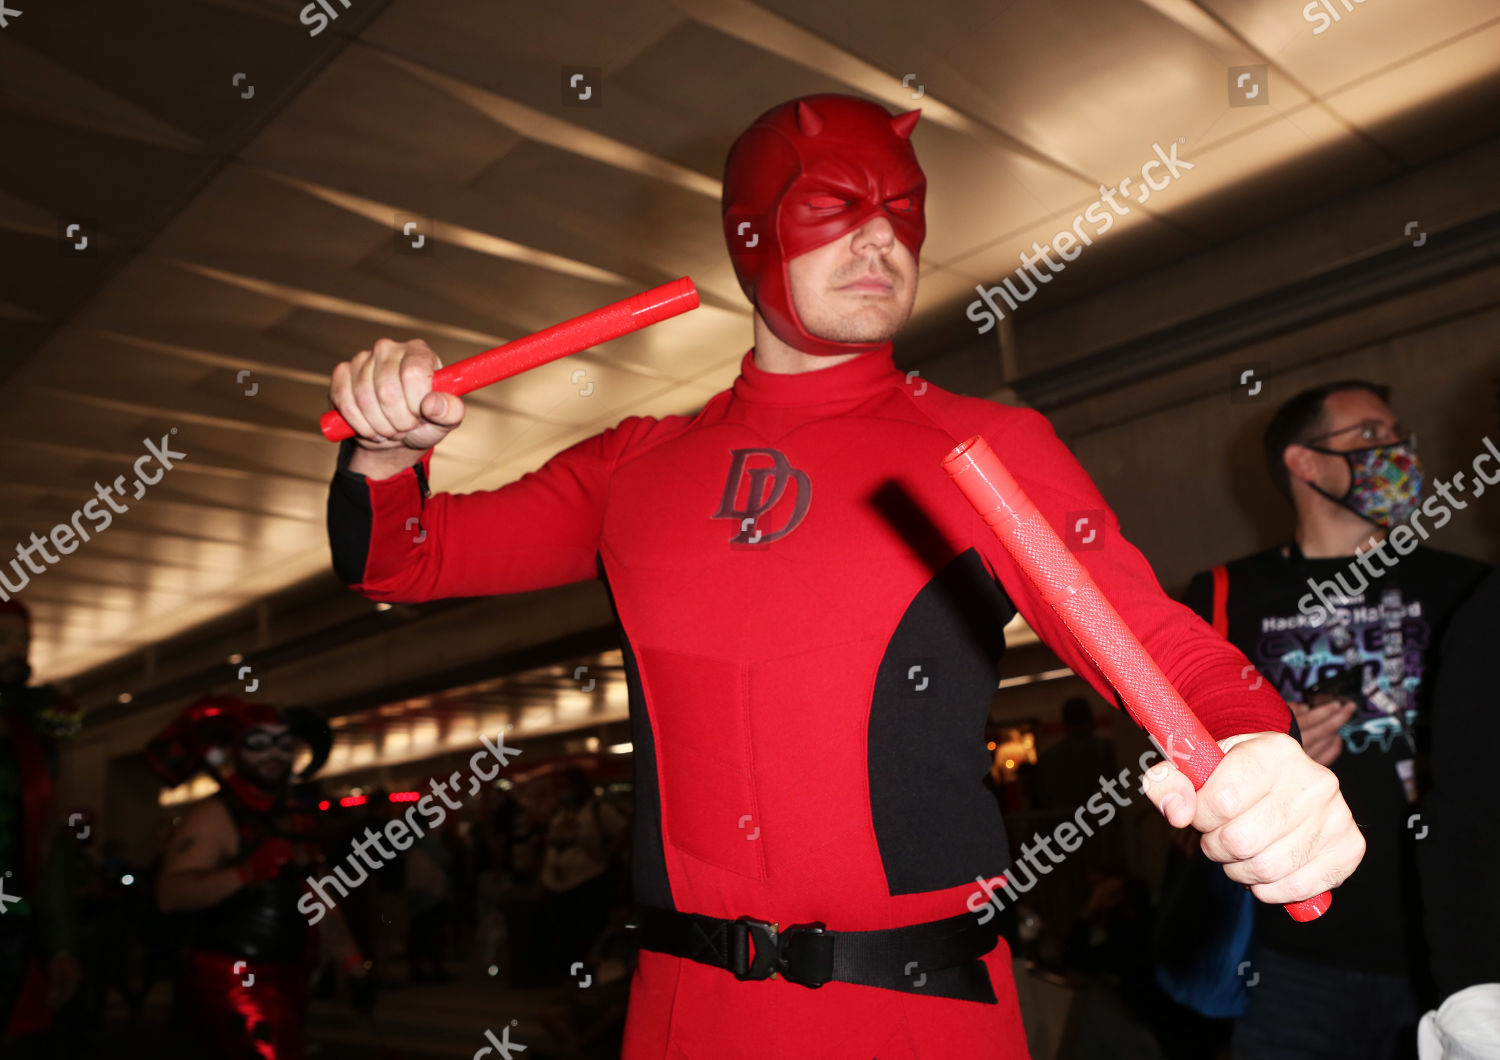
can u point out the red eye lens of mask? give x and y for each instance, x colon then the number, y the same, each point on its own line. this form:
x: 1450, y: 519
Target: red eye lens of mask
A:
x: 904, y: 204
x: 824, y: 202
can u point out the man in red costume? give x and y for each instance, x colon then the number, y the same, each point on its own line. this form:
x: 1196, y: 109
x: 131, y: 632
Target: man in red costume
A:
x: 238, y: 860
x: 811, y: 620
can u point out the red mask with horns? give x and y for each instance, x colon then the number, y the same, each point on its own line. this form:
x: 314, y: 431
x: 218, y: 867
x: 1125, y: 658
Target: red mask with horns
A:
x: 802, y: 175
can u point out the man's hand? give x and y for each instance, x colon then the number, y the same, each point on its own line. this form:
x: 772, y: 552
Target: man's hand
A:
x: 1269, y: 814
x: 386, y: 395
x: 1320, y: 727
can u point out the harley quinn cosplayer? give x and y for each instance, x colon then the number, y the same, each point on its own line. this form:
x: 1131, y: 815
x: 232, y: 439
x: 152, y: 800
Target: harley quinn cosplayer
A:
x: 811, y: 621
x: 238, y: 860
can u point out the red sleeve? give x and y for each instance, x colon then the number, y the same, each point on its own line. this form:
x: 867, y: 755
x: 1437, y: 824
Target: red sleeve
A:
x: 393, y: 540
x: 1205, y: 669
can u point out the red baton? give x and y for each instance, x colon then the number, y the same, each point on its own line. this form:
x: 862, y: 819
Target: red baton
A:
x: 560, y: 340
x: 1093, y: 621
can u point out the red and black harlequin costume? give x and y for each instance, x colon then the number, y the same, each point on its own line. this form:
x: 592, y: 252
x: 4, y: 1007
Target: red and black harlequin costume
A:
x: 245, y: 972
x: 811, y: 618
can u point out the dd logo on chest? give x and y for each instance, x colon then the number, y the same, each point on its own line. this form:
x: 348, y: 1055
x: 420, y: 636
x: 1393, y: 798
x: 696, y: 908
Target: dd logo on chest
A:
x: 766, y: 485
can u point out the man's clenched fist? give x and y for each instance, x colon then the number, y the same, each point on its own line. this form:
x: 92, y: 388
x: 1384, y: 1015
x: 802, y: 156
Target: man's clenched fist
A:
x: 1269, y: 814
x: 386, y: 395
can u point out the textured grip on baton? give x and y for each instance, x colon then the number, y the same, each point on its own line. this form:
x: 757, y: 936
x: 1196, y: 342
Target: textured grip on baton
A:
x: 1067, y: 587
x: 560, y: 340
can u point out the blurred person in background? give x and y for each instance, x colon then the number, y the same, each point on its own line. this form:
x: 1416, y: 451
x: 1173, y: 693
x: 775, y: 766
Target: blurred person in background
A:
x: 582, y: 837
x: 489, y: 881
x: 429, y: 906
x: 458, y: 839
x: 39, y: 969
x: 361, y: 907
x: 1350, y: 642
x: 1067, y: 774
x: 163, y: 935
x: 389, y: 893
x: 112, y: 946
x: 239, y: 860
x: 522, y: 897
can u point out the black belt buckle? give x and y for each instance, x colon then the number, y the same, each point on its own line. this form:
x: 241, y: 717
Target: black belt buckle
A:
x: 805, y: 953
x: 762, y: 963
x: 802, y: 954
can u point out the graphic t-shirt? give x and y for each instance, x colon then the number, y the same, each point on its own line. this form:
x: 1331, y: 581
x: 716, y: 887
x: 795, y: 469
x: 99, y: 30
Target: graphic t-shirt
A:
x: 1305, y: 622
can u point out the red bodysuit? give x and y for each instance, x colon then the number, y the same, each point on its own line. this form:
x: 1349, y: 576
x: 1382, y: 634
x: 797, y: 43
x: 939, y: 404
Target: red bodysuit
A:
x: 810, y: 613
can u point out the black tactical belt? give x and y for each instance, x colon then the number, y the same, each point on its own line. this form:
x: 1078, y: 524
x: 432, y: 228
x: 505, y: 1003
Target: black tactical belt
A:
x: 938, y: 958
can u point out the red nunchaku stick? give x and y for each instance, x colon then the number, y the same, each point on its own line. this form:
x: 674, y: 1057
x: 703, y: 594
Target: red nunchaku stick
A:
x: 1093, y: 621
x: 560, y: 340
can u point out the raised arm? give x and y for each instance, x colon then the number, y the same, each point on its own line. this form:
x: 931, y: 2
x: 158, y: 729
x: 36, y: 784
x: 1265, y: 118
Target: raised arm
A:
x: 392, y: 539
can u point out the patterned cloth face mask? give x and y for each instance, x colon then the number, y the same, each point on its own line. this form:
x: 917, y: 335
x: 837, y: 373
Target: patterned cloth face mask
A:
x: 1385, y: 481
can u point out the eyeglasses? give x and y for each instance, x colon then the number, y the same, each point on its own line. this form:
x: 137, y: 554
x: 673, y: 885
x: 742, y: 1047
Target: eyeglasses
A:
x: 1371, y: 432
x: 261, y: 740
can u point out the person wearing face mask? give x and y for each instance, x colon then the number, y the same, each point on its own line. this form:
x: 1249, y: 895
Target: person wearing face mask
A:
x: 38, y: 928
x: 1345, y: 625
x: 238, y: 861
